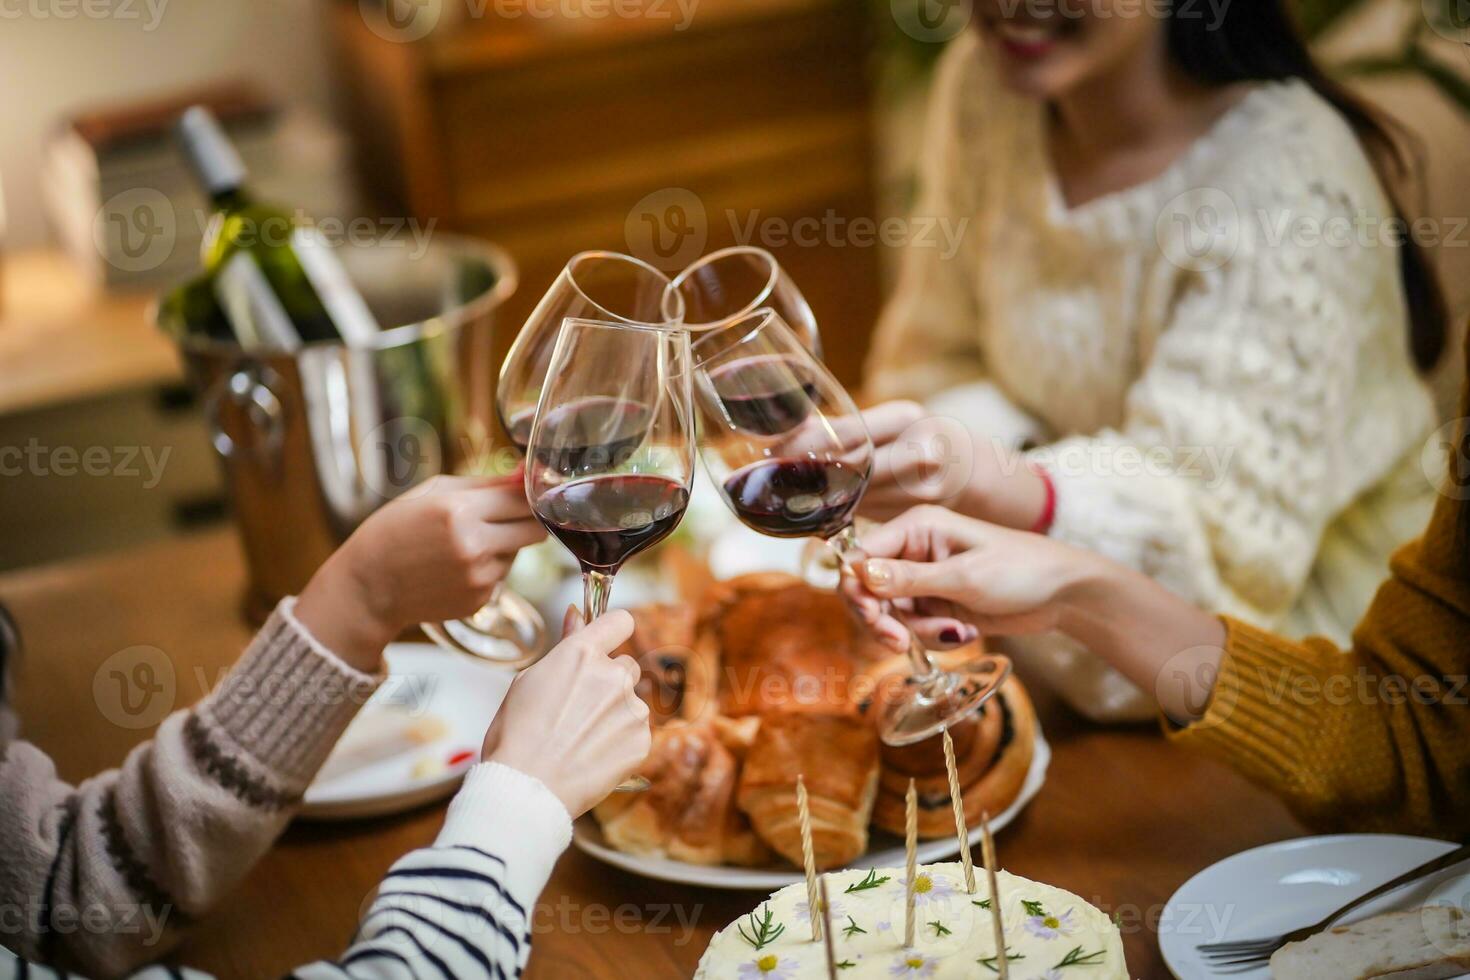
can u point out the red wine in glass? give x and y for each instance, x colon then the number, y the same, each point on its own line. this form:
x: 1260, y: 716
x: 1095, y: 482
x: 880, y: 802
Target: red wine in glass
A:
x: 790, y: 470
x: 605, y: 520
x: 589, y: 432
x: 796, y: 498
x: 764, y: 395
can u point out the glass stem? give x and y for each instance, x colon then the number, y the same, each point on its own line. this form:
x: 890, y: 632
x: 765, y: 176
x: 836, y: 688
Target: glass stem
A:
x: 849, y: 552
x: 596, y: 593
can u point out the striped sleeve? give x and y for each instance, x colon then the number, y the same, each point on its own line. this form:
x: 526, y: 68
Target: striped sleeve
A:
x: 465, y: 907
x: 462, y: 909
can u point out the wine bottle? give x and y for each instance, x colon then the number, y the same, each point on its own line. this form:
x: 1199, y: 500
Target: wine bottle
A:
x: 274, y: 275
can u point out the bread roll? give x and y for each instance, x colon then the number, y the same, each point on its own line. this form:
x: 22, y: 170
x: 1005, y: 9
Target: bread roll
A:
x: 782, y: 646
x: 996, y: 787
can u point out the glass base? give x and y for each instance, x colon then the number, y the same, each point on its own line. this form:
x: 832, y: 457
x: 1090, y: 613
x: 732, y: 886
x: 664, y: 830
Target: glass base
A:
x: 928, y: 706
x: 633, y: 784
x: 507, y: 632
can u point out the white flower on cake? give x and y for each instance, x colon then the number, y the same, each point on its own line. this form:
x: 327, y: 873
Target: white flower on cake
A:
x: 911, y: 964
x: 804, y: 912
x: 768, y: 967
x: 1044, y: 925
x: 930, y: 888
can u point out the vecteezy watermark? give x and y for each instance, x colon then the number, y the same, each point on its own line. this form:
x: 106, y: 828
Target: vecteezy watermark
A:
x: 1202, y: 922
x: 1362, y: 687
x: 410, y: 693
x: 594, y: 919
x: 934, y: 458
x: 137, y: 230
x: 1201, y: 229
x: 1450, y: 19
x: 1445, y: 459
x: 128, y: 462
x: 833, y: 230
x: 404, y: 21
x: 932, y: 21
x: 277, y: 231
x: 1212, y: 11
x: 1191, y: 687
x: 400, y: 457
x: 96, y: 918
x: 147, y: 12
x: 670, y: 227
x: 135, y: 687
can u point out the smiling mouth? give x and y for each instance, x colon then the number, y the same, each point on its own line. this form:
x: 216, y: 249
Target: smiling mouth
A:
x: 1025, y: 39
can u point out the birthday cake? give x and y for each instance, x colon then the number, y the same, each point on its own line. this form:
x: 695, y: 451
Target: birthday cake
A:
x: 1050, y: 934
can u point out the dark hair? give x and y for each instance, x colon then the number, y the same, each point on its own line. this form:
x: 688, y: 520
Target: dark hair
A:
x: 1256, y: 40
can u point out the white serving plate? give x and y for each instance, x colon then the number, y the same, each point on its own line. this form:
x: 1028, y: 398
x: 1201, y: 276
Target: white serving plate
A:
x: 421, y: 678
x: 888, y: 854
x: 1280, y: 887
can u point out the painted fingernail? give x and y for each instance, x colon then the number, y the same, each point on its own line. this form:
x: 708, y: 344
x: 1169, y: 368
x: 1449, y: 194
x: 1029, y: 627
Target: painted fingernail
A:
x: 949, y: 635
x: 877, y: 572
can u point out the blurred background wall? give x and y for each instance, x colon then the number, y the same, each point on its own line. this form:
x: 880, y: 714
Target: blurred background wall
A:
x: 50, y: 67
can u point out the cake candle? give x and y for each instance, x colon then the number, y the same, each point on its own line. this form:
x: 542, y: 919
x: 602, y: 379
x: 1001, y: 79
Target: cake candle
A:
x: 808, y: 859
x: 961, y: 827
x: 827, y: 930
x: 987, y: 851
x: 911, y: 849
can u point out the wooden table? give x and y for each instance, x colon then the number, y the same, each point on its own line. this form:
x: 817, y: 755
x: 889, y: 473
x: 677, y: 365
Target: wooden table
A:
x: 1123, y: 820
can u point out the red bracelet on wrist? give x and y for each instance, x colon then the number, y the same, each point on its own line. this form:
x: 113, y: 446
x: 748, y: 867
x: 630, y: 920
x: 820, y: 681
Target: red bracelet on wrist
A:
x: 1049, y: 508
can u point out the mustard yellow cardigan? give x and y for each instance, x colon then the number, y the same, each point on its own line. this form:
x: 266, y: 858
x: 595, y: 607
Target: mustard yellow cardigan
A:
x: 1375, y: 738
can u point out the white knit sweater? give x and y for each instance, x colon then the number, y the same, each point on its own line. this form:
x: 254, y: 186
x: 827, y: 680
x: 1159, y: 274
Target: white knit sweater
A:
x: 1215, y: 361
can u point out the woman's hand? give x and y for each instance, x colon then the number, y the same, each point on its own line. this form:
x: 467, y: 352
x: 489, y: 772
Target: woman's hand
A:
x: 922, y: 458
x: 572, y: 720
x: 951, y: 577
x: 434, y: 555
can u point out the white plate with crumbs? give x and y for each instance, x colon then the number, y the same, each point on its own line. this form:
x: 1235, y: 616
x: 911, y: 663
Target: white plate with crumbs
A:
x: 413, y: 740
x: 1280, y: 887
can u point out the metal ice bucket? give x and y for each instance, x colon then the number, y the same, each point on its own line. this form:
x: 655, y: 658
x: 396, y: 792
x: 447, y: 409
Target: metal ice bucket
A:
x: 310, y: 443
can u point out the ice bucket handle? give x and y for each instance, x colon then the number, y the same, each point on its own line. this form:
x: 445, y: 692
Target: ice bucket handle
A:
x: 247, y: 388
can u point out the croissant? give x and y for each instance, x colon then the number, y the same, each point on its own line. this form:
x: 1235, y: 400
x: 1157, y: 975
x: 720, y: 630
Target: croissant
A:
x: 837, y: 756
x: 688, y: 813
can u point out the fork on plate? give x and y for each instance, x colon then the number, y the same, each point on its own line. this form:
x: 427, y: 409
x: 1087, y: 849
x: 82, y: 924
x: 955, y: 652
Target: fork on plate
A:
x: 1240, y: 955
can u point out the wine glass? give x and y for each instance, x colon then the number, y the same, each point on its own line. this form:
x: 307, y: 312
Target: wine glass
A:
x: 610, y: 461
x: 601, y: 285
x: 790, y: 453
x: 605, y: 286
x: 734, y: 282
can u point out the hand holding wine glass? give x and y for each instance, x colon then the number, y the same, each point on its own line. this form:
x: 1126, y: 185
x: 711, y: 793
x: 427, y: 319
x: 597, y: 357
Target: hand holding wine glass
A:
x: 788, y: 449
x: 610, y: 460
x: 604, y: 286
x: 573, y: 720
x: 958, y: 577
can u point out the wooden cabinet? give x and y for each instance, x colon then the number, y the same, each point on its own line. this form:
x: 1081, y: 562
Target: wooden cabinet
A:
x: 551, y: 137
x: 101, y: 443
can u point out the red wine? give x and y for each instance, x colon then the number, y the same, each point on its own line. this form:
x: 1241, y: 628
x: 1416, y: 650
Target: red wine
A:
x: 598, y: 432
x: 765, y: 395
x: 796, y: 498
x: 606, y: 520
